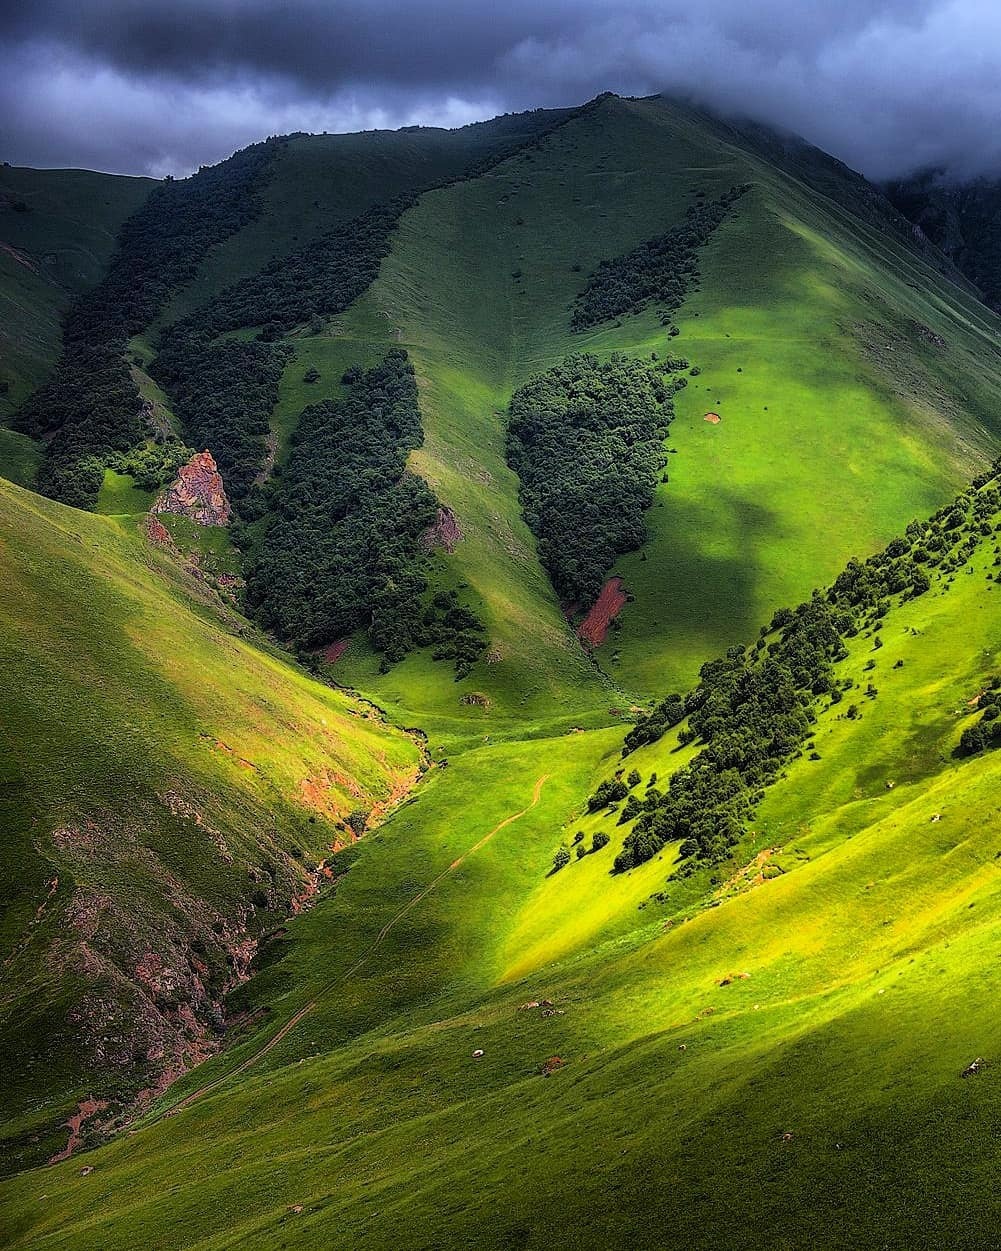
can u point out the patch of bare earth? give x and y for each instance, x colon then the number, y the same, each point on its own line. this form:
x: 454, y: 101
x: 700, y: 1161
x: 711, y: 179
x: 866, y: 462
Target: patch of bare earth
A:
x: 334, y: 651
x: 86, y: 1109
x: 445, y: 532
x: 610, y: 602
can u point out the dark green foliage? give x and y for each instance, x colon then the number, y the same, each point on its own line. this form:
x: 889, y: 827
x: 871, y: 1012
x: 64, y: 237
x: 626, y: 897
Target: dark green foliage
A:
x: 455, y: 632
x: 90, y: 406
x: 153, y: 465
x: 560, y: 860
x: 660, y: 270
x: 607, y: 793
x: 668, y: 713
x: 343, y: 550
x: 586, y: 440
x: 753, y: 710
x: 223, y: 394
x: 987, y: 731
x: 600, y: 839
x: 223, y: 390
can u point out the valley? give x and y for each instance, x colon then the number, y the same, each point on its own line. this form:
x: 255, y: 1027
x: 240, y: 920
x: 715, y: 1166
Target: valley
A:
x: 349, y: 895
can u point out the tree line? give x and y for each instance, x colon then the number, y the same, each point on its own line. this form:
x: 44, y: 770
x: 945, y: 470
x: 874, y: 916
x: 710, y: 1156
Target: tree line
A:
x: 753, y: 709
x: 341, y: 549
x: 662, y: 270
x: 90, y: 407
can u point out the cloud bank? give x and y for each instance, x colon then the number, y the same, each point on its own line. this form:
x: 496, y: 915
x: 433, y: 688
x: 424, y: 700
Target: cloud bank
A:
x: 886, y: 85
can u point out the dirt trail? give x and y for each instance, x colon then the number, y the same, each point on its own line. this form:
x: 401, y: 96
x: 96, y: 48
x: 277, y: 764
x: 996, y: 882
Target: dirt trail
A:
x: 293, y: 1021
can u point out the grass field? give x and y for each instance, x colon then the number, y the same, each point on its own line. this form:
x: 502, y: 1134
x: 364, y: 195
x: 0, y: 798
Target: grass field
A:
x: 777, y: 1063
x: 456, y: 1047
x: 845, y: 370
x: 177, y: 755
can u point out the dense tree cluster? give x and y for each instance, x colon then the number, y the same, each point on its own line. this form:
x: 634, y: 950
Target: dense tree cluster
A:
x: 753, y: 709
x: 342, y: 550
x: 224, y: 389
x: 661, y: 270
x: 586, y: 439
x: 90, y: 406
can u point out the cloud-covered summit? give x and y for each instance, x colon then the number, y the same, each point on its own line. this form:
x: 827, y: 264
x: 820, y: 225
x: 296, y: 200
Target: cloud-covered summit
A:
x: 886, y: 85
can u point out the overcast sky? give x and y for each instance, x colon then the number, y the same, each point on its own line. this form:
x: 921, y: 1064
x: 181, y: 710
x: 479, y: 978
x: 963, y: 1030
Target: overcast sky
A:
x: 136, y: 87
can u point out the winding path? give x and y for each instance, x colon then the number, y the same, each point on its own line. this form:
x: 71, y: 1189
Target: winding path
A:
x: 294, y: 1020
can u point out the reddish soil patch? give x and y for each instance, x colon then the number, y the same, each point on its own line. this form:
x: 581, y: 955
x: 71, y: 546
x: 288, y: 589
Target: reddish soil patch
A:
x: 158, y: 533
x: 334, y: 651
x: 197, y: 493
x: 606, y: 608
x: 713, y: 418
x: 86, y: 1109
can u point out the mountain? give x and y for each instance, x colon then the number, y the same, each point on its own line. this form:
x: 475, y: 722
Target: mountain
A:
x: 607, y: 532
x: 961, y: 219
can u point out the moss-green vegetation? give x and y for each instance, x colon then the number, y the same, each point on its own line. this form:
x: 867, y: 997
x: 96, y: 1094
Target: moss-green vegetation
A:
x: 121, y: 495
x: 19, y: 458
x: 766, y: 1050
x: 163, y: 772
x: 753, y: 710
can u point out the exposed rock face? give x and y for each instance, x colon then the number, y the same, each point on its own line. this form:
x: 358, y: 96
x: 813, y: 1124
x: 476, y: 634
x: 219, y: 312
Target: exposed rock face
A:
x: 445, y: 532
x: 197, y: 494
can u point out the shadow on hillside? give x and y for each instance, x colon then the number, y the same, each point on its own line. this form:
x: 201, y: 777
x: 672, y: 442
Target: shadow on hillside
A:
x: 708, y: 570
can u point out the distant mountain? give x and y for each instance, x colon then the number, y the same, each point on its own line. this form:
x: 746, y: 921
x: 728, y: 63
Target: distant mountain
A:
x: 963, y: 220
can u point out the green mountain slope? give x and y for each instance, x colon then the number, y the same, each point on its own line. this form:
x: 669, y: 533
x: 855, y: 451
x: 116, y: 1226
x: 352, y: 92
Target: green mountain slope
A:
x: 776, y: 1058
x: 777, y: 1027
x: 57, y: 234
x: 817, y: 338
x: 169, y: 786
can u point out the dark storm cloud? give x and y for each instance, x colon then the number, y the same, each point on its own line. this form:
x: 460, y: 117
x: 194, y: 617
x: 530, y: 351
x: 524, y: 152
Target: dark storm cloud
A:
x: 888, y: 85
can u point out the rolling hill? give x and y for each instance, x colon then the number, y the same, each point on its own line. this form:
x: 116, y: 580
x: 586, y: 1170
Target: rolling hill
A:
x: 683, y: 935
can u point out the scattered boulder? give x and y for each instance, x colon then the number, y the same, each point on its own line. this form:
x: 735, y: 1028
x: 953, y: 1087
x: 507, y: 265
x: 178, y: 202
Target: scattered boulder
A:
x: 197, y: 493
x: 477, y: 1053
x: 550, y: 1066
x: 977, y: 1066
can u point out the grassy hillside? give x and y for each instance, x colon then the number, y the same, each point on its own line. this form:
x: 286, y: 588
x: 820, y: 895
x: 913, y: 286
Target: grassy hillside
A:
x: 791, y: 1043
x: 170, y: 785
x: 772, y: 1059
x: 57, y: 234
x: 845, y: 370
x: 321, y: 181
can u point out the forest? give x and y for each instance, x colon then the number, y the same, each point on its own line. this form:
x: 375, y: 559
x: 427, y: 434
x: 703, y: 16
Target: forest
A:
x: 586, y: 439
x: 90, y: 408
x: 342, y: 550
x: 661, y: 271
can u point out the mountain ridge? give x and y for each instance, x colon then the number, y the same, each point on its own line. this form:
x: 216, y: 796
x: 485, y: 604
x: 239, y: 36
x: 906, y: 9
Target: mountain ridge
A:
x: 602, y: 1008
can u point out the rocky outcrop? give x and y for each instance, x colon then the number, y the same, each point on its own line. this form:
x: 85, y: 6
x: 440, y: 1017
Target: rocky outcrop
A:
x: 197, y: 493
x: 444, y: 533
